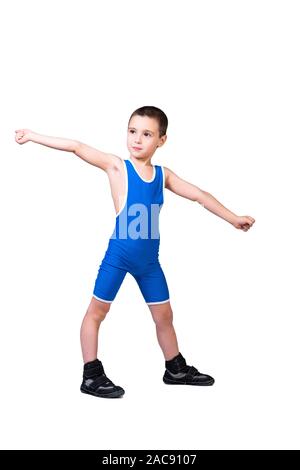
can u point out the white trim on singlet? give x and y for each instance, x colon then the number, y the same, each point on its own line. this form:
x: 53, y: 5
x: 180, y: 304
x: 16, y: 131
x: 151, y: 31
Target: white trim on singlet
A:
x: 146, y: 181
x: 163, y: 183
x: 154, y: 303
x: 126, y: 189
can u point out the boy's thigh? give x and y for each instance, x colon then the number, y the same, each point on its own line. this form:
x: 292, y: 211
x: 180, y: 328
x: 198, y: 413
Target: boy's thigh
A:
x: 153, y: 285
x: 108, y: 282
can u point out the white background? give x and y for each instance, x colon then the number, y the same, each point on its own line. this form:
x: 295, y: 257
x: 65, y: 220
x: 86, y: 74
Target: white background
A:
x: 226, y: 73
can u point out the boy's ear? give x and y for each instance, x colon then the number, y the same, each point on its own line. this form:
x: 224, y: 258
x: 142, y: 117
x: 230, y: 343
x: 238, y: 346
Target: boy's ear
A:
x: 162, y: 140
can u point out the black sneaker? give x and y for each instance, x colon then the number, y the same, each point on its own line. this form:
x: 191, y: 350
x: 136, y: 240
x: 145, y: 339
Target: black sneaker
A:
x: 179, y: 373
x: 97, y: 384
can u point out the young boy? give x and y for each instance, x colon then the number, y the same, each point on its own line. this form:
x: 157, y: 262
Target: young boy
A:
x: 137, y: 189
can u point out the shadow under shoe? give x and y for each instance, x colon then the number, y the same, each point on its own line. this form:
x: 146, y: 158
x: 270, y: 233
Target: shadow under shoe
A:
x: 179, y: 373
x: 96, y: 383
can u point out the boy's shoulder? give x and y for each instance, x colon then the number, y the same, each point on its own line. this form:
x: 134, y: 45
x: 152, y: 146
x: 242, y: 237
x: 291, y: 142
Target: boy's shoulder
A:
x: 167, y: 172
x: 117, y: 162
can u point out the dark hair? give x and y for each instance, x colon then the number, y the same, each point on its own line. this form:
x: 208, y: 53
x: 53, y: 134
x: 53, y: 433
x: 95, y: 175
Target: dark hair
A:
x: 153, y: 112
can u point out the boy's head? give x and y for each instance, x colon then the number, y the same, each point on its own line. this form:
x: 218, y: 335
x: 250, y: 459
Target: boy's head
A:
x: 147, y: 128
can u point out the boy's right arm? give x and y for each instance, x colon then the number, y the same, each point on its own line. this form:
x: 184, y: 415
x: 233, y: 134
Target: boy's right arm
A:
x: 103, y: 160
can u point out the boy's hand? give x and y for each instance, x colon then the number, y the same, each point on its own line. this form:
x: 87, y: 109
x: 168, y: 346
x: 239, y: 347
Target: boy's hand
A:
x: 243, y: 222
x: 23, y: 135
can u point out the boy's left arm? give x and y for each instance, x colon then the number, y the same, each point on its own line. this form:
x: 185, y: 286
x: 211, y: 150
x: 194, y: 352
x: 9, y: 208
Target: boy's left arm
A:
x: 181, y: 187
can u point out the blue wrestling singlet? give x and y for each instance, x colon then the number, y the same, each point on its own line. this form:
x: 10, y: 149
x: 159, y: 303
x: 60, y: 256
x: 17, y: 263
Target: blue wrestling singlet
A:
x: 134, y: 245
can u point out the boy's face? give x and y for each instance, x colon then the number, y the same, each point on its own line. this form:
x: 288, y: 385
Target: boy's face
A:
x: 143, y: 136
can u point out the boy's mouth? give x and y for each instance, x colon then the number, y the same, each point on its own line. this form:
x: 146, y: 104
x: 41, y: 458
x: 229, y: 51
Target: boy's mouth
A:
x: 137, y: 148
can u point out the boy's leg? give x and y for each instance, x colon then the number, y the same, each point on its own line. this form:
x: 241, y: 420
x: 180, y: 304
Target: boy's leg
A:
x: 154, y: 288
x: 177, y: 371
x: 95, y: 382
x: 96, y: 313
x: 107, y: 284
x: 162, y: 315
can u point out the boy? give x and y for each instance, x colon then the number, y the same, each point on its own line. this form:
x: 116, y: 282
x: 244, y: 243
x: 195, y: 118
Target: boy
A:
x: 137, y: 189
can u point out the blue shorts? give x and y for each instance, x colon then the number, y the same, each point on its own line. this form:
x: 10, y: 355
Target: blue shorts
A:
x: 150, y: 279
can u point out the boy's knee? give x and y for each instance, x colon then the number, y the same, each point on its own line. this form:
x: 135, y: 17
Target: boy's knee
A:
x: 164, y: 318
x: 98, y: 309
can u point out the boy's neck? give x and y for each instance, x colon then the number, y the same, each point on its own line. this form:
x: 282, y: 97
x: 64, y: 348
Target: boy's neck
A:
x: 141, y: 161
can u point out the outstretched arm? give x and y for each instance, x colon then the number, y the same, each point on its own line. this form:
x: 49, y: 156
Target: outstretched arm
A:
x: 105, y: 161
x: 181, y: 187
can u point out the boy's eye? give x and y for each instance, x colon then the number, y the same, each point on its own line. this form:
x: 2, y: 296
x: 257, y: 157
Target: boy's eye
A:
x: 146, y: 133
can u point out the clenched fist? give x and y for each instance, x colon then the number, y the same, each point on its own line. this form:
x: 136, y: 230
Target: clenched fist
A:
x: 243, y: 222
x: 22, y: 136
